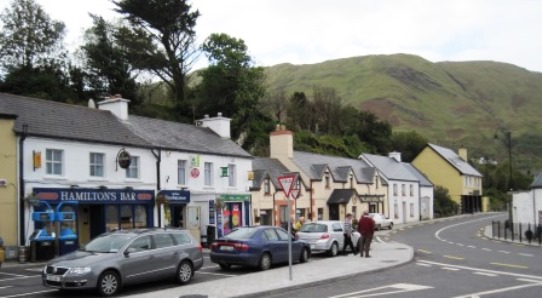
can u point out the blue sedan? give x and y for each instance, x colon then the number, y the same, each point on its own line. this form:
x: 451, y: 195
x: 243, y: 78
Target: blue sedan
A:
x: 257, y: 246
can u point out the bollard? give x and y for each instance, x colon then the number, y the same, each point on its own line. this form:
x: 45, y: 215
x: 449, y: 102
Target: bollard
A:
x: 22, y: 254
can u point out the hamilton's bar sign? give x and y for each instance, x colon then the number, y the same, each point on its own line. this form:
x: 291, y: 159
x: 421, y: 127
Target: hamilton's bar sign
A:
x: 94, y: 196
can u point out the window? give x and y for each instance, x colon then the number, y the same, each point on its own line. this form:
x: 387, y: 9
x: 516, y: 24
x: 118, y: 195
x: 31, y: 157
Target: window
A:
x: 395, y: 189
x: 97, y: 161
x: 163, y: 240
x: 53, y: 161
x: 327, y: 180
x: 283, y: 236
x: 141, y: 243
x: 133, y: 170
x: 181, y: 239
x: 231, y: 175
x: 181, y: 172
x: 208, y: 173
x: 267, y: 186
x: 411, y: 209
x: 403, y: 190
x: 411, y: 190
x: 271, y: 235
x: 377, y: 182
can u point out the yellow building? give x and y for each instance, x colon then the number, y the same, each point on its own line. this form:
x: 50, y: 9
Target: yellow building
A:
x: 452, y: 171
x: 8, y: 180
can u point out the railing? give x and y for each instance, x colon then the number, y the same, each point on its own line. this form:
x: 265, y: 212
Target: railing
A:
x: 517, y: 232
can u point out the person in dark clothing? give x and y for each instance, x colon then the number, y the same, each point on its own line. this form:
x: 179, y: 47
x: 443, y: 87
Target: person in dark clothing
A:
x: 366, y: 227
x: 348, y: 234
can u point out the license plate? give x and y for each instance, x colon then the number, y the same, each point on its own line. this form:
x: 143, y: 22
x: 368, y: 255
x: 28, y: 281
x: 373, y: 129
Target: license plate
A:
x: 52, y: 278
x: 226, y: 248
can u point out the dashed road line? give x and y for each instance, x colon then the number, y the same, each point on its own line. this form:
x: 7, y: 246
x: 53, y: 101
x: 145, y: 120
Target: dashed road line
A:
x: 486, y: 249
x: 450, y: 269
x: 507, y: 273
x: 453, y: 257
x: 525, y: 255
x: 510, y: 265
x: 459, y: 244
x: 471, y: 246
x: 504, y: 251
x: 424, y: 251
x: 485, y: 274
x: 424, y: 265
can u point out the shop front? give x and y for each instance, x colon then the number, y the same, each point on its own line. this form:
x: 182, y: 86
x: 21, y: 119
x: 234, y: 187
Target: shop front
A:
x: 100, y: 210
x: 230, y: 211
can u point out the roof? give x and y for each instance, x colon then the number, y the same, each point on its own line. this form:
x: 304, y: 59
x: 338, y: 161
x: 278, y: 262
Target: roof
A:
x: 267, y: 167
x: 421, y: 177
x: 390, y: 167
x: 49, y: 119
x: 184, y: 137
x: 537, y: 183
x: 453, y: 159
x: 341, y: 196
x: 313, y: 165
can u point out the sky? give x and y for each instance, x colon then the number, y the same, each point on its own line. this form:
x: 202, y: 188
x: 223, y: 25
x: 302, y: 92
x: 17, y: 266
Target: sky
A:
x: 313, y: 31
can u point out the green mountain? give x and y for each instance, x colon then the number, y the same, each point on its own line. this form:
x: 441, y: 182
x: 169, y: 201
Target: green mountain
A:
x: 453, y: 104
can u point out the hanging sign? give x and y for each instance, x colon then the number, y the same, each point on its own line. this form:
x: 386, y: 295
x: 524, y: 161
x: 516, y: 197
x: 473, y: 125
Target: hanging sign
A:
x: 123, y: 158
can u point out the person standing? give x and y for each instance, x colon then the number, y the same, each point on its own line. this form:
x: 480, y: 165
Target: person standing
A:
x: 348, y: 234
x: 366, y: 227
x: 299, y: 224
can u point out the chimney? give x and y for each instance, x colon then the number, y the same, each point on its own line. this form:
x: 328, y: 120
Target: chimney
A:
x: 220, y: 125
x: 282, y: 143
x: 462, y: 152
x: 116, y: 105
x: 395, y: 155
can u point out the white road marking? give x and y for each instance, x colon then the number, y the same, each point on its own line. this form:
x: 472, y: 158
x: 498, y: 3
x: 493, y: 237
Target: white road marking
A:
x: 504, y: 251
x: 501, y: 290
x: 471, y: 246
x: 18, y: 277
x: 484, y: 273
x: 510, y: 265
x: 220, y: 274
x: 525, y: 255
x: 534, y: 277
x: 450, y: 269
x: 437, y: 233
x: 12, y: 274
x: 459, y: 244
x: 27, y: 294
x: 424, y: 251
x: 424, y: 265
x: 486, y: 249
x: 5, y: 287
x: 393, y: 289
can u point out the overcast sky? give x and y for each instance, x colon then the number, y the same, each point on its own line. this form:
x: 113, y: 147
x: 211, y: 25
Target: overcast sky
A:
x: 312, y: 31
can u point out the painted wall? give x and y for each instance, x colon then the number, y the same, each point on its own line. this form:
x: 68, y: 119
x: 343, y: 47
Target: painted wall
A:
x: 9, y: 191
x: 527, y: 206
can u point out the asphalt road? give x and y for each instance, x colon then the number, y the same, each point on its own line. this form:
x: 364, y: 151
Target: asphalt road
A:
x: 452, y: 259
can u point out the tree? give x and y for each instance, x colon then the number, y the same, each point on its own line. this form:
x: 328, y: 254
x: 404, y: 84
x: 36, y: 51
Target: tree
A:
x: 443, y: 203
x: 108, y: 65
x: 29, y: 38
x: 163, y: 39
x: 410, y: 144
x: 231, y: 84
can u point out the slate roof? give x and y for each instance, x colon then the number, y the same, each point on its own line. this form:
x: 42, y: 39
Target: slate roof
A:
x: 341, y: 196
x: 390, y: 167
x: 313, y: 165
x: 421, y: 177
x: 49, y: 119
x: 537, y: 183
x: 455, y: 161
x: 185, y: 137
x: 267, y: 167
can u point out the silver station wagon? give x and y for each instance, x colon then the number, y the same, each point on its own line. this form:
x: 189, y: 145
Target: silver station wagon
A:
x: 124, y: 257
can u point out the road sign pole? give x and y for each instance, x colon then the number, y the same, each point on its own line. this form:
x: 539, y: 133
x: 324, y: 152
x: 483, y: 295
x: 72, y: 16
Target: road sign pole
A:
x: 287, y: 183
x: 289, y: 238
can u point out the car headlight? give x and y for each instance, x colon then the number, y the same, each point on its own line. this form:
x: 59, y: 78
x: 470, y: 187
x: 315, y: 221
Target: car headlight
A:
x: 79, y: 270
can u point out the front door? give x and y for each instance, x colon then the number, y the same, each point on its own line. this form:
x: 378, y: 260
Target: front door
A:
x: 96, y: 220
x: 334, y: 212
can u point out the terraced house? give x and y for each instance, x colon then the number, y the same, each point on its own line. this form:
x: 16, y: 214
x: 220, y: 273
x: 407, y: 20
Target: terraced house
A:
x: 8, y: 183
x: 105, y: 169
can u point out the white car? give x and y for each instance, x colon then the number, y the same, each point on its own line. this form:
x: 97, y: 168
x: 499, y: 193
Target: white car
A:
x: 381, y: 221
x: 326, y: 236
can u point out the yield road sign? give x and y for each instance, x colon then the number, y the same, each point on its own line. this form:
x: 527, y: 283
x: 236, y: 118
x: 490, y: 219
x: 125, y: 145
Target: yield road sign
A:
x: 287, y: 183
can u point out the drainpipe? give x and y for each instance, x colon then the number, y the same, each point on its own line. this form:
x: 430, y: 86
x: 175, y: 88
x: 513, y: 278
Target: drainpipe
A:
x: 22, y: 238
x: 158, y: 155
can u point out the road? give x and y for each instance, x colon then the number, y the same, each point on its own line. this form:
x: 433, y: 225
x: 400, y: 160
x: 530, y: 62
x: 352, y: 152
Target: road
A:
x: 452, y: 259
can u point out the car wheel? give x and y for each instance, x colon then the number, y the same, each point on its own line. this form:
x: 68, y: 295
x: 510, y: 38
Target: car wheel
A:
x: 184, y: 272
x: 391, y: 225
x: 108, y: 283
x: 378, y: 227
x: 334, y: 250
x: 224, y: 266
x: 265, y: 261
x: 304, y: 257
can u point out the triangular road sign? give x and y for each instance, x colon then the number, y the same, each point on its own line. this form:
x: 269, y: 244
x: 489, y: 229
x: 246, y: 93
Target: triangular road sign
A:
x: 287, y: 183
x: 295, y: 193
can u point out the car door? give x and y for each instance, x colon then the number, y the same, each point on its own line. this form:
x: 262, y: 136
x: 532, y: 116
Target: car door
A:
x: 275, y: 246
x: 166, y: 255
x: 284, y: 238
x: 137, y: 264
x: 337, y: 232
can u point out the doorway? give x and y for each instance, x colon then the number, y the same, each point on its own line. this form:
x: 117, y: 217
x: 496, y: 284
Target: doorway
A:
x: 177, y: 216
x: 96, y: 220
x: 334, y: 212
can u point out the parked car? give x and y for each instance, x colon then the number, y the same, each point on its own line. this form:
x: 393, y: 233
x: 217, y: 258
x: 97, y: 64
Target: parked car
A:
x: 381, y: 221
x: 257, y: 246
x: 325, y: 236
x: 124, y: 257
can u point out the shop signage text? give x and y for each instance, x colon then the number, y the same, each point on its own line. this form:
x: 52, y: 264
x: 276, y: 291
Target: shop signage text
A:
x: 94, y: 195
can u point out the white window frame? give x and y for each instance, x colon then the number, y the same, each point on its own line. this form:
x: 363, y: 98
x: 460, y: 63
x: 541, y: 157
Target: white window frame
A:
x: 132, y: 172
x: 96, y: 165
x: 267, y: 186
x: 232, y: 177
x: 395, y: 189
x: 411, y: 190
x: 52, y: 160
x: 181, y: 171
x: 208, y: 173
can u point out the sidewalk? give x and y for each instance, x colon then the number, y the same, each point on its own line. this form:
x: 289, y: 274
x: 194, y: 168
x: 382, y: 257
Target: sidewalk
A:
x: 257, y: 284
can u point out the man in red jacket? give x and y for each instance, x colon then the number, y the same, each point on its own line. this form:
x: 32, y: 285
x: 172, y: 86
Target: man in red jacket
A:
x: 366, y: 227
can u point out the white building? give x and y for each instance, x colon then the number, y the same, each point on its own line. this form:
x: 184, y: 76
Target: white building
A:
x: 527, y: 205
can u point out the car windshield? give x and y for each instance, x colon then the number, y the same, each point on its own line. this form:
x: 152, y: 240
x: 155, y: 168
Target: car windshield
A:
x: 241, y: 233
x: 313, y: 228
x: 107, y: 243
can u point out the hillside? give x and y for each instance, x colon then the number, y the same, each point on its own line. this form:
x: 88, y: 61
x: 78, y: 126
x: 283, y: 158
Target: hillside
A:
x: 452, y: 104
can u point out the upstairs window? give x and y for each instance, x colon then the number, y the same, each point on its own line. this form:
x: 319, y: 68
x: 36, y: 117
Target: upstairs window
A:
x: 132, y: 171
x: 54, y: 160
x: 208, y: 173
x: 181, y: 172
x: 231, y: 175
x: 97, y: 161
x: 267, y: 186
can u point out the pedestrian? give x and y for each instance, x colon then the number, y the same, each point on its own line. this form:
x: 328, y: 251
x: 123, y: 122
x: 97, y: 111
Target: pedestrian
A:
x: 348, y: 234
x: 366, y: 227
x: 299, y: 224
